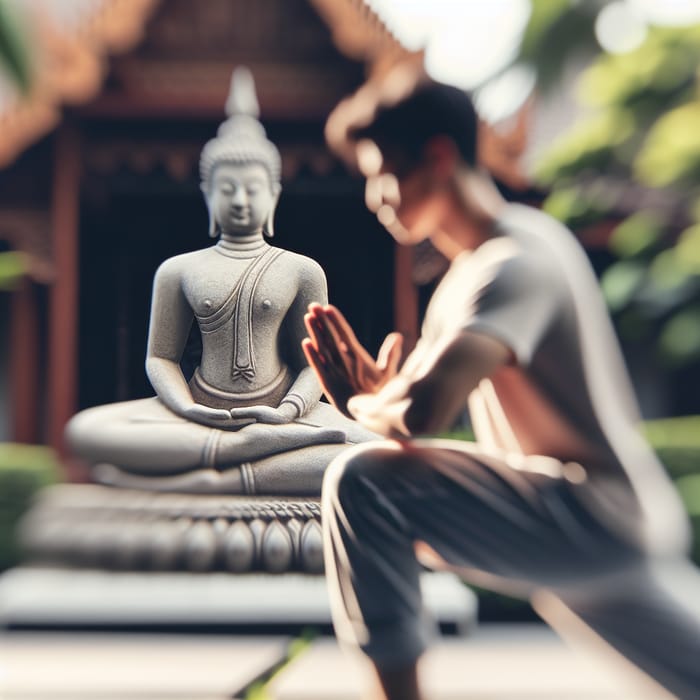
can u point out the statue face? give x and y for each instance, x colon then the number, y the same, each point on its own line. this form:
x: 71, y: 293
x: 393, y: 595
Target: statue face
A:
x: 241, y: 197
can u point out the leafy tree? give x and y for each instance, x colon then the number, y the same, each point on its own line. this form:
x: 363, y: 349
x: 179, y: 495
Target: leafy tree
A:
x: 14, y: 53
x: 14, y: 62
x: 633, y: 160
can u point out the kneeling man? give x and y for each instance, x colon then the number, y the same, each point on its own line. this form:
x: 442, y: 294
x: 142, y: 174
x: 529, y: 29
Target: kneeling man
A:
x: 559, y: 499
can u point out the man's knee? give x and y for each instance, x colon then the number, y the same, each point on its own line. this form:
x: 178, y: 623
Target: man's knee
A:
x: 360, y: 464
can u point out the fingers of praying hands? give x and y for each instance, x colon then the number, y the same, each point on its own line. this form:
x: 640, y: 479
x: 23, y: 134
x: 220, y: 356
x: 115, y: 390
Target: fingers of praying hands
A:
x: 341, y: 363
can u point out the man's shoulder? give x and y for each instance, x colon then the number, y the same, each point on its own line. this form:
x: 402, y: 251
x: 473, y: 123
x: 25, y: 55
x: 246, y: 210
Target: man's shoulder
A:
x: 540, y: 234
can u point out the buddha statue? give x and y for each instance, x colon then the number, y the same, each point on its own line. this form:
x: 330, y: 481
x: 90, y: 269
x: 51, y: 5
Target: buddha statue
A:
x: 249, y: 421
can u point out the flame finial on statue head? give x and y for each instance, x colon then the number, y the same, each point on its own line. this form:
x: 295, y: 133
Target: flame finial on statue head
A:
x: 241, y: 138
x: 242, y: 98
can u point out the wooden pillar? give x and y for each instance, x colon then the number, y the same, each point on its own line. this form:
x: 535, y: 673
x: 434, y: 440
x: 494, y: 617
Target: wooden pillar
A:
x: 24, y: 364
x: 405, y: 297
x: 62, y: 376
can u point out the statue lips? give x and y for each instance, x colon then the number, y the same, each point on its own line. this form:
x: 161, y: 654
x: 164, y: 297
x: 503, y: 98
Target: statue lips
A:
x: 240, y: 216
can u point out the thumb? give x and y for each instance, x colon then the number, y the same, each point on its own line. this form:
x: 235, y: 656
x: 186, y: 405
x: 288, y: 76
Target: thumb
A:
x: 389, y: 354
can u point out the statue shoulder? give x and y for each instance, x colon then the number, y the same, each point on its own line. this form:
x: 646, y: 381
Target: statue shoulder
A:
x: 175, y: 267
x: 303, y: 266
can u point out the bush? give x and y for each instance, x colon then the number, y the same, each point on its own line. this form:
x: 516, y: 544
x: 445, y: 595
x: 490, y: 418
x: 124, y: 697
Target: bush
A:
x: 677, y: 442
x: 24, y: 469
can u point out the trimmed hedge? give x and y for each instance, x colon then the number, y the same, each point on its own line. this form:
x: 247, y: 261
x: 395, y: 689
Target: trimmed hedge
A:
x: 677, y: 442
x: 24, y: 469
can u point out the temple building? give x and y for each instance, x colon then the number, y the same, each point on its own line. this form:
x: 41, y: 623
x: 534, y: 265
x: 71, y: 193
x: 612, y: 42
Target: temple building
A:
x: 99, y: 181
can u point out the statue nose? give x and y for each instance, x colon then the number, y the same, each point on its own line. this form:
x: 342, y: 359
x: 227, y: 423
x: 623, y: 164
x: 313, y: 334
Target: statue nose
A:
x: 239, y: 199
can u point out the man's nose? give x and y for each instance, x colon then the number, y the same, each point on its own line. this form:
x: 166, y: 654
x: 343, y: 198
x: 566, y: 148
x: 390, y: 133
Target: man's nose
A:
x: 382, y: 189
x: 373, y: 193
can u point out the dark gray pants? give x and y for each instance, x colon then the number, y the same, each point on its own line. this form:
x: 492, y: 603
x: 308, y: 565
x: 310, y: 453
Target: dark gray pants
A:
x: 518, y: 531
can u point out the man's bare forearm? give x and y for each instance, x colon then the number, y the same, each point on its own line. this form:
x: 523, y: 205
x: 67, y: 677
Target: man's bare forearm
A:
x: 427, y: 397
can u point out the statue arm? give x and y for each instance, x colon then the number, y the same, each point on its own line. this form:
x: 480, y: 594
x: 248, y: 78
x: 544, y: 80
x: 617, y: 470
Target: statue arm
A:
x: 305, y: 391
x: 171, y: 320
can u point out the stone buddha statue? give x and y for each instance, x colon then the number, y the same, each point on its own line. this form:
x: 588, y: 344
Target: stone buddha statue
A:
x: 249, y: 420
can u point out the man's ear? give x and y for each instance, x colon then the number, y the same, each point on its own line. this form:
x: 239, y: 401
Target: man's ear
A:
x: 440, y: 152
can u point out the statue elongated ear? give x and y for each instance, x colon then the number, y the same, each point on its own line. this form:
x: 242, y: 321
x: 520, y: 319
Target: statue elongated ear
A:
x: 213, y: 229
x: 269, y: 225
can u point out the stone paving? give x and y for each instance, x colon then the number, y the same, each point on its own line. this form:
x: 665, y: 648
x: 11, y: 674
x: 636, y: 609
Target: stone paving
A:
x: 497, y: 662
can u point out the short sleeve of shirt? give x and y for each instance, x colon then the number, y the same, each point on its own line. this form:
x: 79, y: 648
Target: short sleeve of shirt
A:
x: 519, y: 298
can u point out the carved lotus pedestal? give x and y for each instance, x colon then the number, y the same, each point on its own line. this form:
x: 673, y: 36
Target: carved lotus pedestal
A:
x: 121, y: 529
x: 111, y: 558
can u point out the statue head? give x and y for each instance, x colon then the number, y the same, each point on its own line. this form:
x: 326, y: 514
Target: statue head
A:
x: 240, y: 168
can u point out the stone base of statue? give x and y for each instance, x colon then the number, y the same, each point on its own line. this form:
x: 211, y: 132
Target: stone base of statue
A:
x: 43, y: 597
x: 123, y: 529
x: 105, y: 557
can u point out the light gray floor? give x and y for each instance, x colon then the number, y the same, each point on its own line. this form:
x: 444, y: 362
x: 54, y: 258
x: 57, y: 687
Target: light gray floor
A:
x: 499, y: 662
x: 511, y: 662
x: 62, y: 666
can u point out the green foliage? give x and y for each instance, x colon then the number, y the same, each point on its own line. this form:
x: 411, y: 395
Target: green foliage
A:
x: 589, y: 145
x: 260, y: 689
x: 677, y: 442
x: 640, y: 145
x: 555, y: 26
x: 680, y: 336
x: 621, y: 281
x: 12, y: 268
x: 637, y: 234
x: 671, y: 152
x: 24, y: 470
x: 14, y: 49
x: 689, y: 488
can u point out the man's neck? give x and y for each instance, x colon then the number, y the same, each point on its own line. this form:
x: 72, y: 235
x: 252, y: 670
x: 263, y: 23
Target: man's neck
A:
x: 477, y: 205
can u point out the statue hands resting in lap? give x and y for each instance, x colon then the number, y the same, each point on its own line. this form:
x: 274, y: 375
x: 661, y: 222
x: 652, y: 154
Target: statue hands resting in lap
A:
x: 249, y: 420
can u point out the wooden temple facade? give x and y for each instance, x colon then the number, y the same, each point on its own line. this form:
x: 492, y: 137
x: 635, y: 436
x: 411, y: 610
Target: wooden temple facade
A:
x: 100, y: 182
x: 113, y: 190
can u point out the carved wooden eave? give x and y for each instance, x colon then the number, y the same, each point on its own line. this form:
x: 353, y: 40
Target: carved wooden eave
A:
x: 180, y: 160
x: 69, y: 66
x: 360, y: 34
x: 502, y: 146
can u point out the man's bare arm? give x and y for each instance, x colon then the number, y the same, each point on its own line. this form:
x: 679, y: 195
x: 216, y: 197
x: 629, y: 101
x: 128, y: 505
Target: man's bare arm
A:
x: 429, y: 398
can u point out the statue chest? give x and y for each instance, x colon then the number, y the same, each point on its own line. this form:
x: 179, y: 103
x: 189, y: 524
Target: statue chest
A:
x: 255, y: 292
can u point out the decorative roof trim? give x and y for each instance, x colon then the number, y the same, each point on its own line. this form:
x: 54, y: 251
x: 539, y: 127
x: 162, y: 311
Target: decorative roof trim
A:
x: 359, y: 33
x: 69, y: 69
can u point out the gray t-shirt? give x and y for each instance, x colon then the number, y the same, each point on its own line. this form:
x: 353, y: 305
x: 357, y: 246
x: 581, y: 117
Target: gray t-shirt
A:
x: 566, y: 394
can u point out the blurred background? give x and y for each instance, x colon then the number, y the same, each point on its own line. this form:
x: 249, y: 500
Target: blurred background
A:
x: 590, y: 109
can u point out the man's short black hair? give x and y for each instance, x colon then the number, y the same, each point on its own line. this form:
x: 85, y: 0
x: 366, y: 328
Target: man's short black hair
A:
x: 432, y: 109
